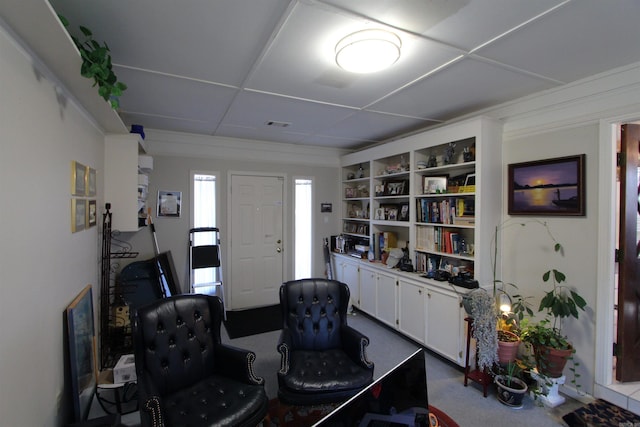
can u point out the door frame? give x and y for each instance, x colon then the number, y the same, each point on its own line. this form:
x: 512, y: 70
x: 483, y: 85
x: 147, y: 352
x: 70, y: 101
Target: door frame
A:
x: 288, y: 245
x: 603, y: 375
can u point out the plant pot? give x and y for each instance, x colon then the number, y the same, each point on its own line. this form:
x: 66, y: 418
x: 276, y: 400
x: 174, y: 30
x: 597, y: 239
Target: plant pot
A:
x: 550, y: 361
x: 507, y: 350
x: 510, y: 393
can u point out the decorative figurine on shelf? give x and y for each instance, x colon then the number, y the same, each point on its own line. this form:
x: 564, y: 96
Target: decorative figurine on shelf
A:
x: 360, y: 173
x: 432, y: 163
x: 448, y: 154
x: 351, y: 175
x: 403, y: 164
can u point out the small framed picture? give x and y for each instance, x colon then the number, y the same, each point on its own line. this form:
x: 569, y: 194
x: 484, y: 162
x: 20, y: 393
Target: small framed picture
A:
x: 326, y: 207
x: 379, y: 190
x: 434, y: 184
x: 395, y: 188
x: 78, y: 214
x: 78, y: 179
x: 92, y: 214
x: 379, y: 214
x: 404, y: 212
x: 349, y: 192
x: 169, y: 203
x: 392, y: 214
x: 91, y: 182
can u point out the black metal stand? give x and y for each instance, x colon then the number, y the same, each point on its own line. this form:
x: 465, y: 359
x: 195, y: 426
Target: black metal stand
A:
x: 115, y: 326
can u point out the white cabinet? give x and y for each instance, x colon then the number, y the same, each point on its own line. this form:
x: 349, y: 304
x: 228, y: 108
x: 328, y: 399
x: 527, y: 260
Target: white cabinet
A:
x: 444, y: 319
x: 347, y: 271
x: 378, y: 295
x: 412, y: 309
x: 368, y: 280
x: 121, y: 180
x: 386, y: 300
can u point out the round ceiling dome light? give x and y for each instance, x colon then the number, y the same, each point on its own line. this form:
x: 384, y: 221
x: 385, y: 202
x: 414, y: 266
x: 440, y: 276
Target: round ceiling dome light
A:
x: 368, y: 51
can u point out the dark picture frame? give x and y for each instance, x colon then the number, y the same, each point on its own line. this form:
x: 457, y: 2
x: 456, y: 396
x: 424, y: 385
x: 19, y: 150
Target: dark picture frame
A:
x: 169, y: 203
x: 81, y: 350
x: 551, y: 187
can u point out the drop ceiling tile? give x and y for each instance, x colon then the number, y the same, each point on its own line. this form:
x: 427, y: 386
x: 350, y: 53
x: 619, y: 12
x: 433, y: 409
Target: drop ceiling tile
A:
x: 212, y: 40
x: 254, y: 109
x: 373, y: 126
x: 442, y: 96
x: 301, y: 61
x: 461, y: 23
x: 260, y: 134
x: 161, y: 95
x: 580, y: 39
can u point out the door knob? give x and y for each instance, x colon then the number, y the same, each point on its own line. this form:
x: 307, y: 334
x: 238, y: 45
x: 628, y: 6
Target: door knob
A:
x: 278, y: 250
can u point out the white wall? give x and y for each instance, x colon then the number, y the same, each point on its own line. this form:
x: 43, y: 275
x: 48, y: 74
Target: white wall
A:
x: 43, y: 266
x: 172, y: 173
x: 528, y: 251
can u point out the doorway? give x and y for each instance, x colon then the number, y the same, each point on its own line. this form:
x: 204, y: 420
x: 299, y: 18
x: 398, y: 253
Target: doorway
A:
x: 607, y: 299
x: 257, y: 241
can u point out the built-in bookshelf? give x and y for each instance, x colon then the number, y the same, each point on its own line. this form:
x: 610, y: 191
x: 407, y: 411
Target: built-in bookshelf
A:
x: 434, y: 192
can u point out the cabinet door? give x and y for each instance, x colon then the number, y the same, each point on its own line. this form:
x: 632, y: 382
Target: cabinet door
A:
x: 443, y: 324
x: 386, y: 299
x: 412, y: 310
x: 368, y: 279
x: 349, y: 274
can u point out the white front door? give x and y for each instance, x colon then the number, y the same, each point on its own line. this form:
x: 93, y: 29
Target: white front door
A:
x: 256, y: 240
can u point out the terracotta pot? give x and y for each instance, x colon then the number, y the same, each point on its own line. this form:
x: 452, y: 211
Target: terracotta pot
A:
x: 507, y: 350
x: 550, y: 362
x: 510, y: 394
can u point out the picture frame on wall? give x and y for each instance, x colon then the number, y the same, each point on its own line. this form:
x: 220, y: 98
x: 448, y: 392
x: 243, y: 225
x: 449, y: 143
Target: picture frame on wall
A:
x: 78, y: 214
x: 551, y: 187
x: 78, y: 178
x: 92, y: 213
x: 91, y: 182
x: 169, y: 203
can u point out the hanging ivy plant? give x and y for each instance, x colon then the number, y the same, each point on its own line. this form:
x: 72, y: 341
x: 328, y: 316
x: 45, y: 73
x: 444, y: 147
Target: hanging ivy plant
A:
x: 96, y: 65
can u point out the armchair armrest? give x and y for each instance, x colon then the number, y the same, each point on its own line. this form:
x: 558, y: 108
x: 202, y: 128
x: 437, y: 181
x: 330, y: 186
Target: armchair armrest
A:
x: 284, y: 348
x: 237, y: 363
x: 354, y: 344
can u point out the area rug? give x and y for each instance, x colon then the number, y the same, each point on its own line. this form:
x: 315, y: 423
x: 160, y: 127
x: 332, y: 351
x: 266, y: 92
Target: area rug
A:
x: 602, y: 414
x: 242, y: 323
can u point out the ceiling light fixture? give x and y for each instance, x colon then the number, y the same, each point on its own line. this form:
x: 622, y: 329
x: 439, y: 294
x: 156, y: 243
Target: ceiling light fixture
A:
x: 368, y: 51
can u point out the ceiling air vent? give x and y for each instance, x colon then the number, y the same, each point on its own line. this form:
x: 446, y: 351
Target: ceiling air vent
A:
x: 278, y: 124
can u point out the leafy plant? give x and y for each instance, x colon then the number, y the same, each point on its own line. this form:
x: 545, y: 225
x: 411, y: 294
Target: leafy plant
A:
x: 484, y: 327
x: 96, y: 65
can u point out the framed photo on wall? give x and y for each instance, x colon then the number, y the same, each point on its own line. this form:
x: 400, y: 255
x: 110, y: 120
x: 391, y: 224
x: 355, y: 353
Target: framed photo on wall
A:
x: 78, y: 179
x: 78, y: 214
x: 554, y: 187
x: 169, y: 203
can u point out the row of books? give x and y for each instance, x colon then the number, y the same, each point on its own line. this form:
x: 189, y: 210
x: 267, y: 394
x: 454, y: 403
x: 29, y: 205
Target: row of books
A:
x: 383, y: 242
x: 444, y: 211
x: 438, y: 239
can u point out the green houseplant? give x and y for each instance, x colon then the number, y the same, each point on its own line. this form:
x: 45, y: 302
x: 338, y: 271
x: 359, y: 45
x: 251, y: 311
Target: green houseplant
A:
x: 511, y: 387
x: 96, y: 65
x: 551, y: 348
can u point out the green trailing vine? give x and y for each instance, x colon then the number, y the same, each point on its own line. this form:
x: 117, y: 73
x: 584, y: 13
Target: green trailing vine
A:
x: 96, y: 65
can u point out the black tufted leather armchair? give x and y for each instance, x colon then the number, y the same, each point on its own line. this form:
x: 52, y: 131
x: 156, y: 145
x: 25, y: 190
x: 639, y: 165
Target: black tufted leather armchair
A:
x: 323, y: 360
x: 185, y: 375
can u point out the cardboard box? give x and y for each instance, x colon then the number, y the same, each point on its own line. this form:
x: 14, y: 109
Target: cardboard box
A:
x: 125, y: 369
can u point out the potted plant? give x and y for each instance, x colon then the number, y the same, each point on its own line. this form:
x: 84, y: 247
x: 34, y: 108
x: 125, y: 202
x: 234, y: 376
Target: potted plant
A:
x: 550, y: 347
x: 96, y: 65
x: 481, y: 307
x: 511, y: 387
